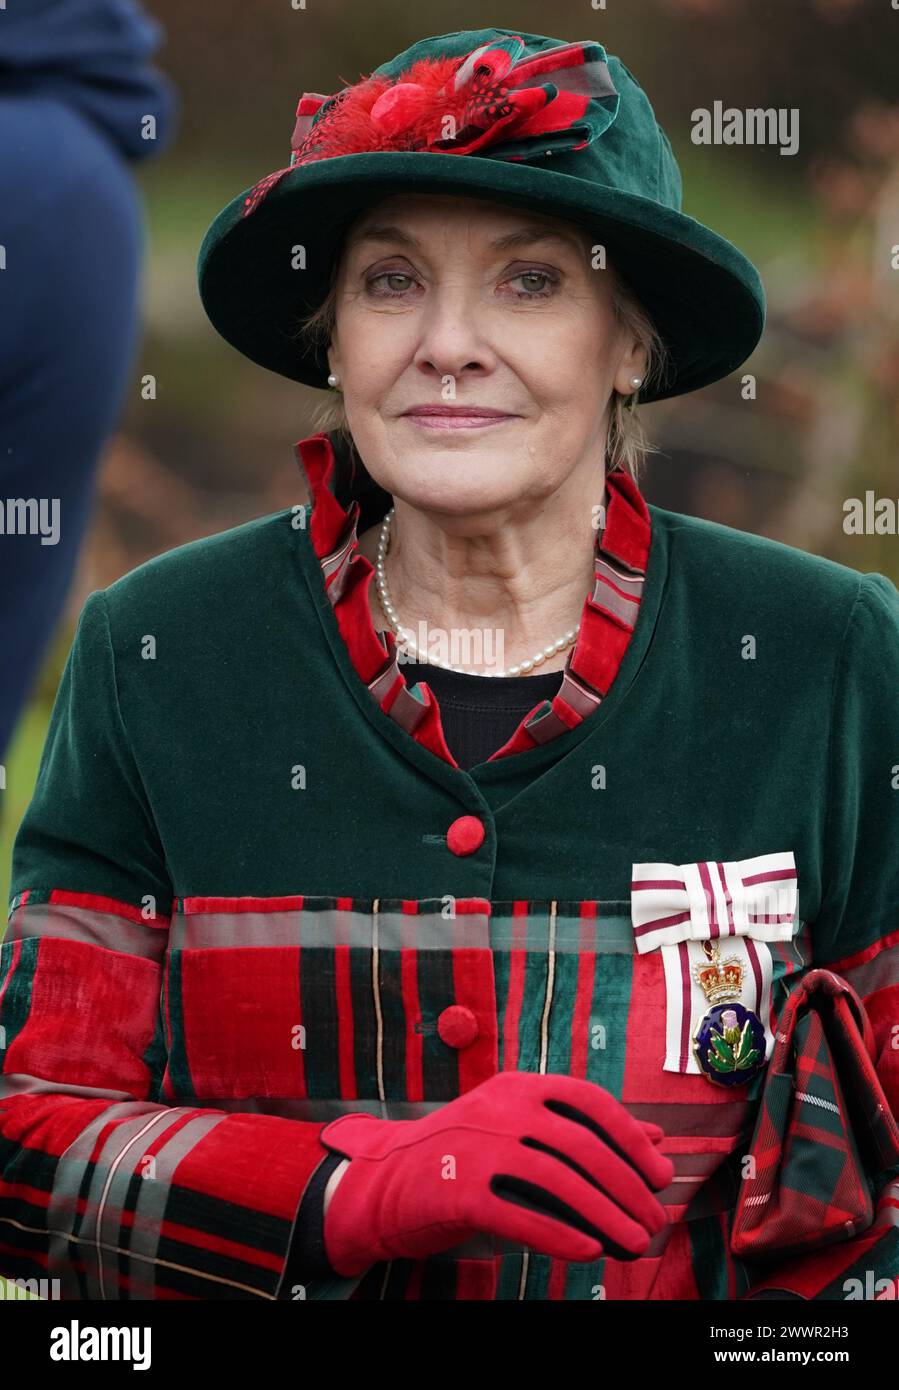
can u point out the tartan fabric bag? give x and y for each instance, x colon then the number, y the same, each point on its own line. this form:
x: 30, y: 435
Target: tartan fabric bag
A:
x: 824, y: 1131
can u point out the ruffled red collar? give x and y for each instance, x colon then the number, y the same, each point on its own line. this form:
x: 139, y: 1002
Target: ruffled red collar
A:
x: 607, y: 624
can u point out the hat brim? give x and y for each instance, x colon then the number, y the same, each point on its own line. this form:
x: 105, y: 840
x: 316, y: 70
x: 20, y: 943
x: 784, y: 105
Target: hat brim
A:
x: 704, y: 296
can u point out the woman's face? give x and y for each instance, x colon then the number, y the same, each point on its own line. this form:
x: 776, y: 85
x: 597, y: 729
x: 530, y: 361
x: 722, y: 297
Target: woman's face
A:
x: 453, y: 303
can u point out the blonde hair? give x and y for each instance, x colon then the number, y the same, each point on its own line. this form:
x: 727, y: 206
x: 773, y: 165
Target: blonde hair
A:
x: 627, y: 444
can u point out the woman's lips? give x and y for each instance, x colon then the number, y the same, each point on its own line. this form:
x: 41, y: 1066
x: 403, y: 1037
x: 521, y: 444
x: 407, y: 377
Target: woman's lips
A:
x: 453, y: 420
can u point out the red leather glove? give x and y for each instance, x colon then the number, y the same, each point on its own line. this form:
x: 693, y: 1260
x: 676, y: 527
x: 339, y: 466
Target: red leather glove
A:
x: 550, y: 1162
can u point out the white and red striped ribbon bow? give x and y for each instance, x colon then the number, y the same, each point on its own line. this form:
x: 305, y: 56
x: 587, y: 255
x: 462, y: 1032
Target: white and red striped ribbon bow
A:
x: 712, y: 899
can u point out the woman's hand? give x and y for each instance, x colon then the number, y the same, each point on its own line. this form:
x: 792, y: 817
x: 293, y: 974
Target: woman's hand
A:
x: 551, y: 1162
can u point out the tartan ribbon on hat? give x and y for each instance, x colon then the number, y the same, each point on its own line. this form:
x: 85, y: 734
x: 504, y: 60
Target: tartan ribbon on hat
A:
x: 711, y: 899
x: 495, y: 101
x: 824, y: 1130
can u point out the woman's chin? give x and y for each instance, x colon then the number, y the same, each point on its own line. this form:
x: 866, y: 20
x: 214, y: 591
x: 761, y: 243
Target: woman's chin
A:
x: 457, y: 496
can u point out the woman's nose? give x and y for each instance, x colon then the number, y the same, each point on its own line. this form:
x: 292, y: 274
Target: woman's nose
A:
x: 452, y: 337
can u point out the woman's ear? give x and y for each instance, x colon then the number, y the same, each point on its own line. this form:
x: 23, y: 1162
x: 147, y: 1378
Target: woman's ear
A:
x: 631, y: 366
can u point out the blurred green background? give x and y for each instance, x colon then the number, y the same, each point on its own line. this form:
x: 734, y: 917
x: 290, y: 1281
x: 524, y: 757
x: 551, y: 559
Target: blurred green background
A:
x: 214, y: 448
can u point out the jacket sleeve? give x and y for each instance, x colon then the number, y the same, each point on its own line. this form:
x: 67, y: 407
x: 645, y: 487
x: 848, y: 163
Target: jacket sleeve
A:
x: 856, y: 934
x: 102, y: 1187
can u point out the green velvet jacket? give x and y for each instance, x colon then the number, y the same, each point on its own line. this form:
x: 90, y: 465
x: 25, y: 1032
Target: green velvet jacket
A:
x: 253, y: 891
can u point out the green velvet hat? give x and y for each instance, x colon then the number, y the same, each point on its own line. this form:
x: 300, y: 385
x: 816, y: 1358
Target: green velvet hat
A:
x: 533, y: 122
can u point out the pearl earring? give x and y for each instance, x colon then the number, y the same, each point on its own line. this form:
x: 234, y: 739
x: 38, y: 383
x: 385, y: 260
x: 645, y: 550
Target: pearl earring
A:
x: 636, y: 380
x: 332, y: 380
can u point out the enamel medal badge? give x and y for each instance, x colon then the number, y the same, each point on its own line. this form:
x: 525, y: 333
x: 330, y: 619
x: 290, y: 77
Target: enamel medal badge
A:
x: 729, y: 1042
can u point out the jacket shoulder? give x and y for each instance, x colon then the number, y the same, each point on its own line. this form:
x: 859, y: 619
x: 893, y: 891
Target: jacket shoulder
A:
x: 729, y: 565
x: 216, y: 577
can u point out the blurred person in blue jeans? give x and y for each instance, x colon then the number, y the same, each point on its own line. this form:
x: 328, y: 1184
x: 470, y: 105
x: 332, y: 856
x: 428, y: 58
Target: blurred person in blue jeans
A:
x: 76, y: 96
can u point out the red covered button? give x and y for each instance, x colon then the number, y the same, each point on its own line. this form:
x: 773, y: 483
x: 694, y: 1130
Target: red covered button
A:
x: 465, y: 835
x: 457, y: 1026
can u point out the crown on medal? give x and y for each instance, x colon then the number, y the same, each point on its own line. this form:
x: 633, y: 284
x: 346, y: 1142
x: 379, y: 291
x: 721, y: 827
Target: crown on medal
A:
x: 720, y: 981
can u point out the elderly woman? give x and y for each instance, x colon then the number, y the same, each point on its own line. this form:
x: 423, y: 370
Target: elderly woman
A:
x: 428, y: 890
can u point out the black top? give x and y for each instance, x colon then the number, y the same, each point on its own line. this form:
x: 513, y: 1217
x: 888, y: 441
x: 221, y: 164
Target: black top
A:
x: 480, y: 713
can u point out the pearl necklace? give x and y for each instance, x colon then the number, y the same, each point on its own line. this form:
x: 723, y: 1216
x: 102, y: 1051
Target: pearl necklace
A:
x: 390, y: 613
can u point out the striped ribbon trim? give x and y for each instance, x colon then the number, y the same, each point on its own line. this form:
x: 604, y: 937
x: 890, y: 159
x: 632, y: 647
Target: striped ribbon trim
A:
x: 608, y: 618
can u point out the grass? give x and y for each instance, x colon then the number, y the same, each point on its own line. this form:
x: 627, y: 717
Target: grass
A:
x: 24, y: 753
x: 22, y: 762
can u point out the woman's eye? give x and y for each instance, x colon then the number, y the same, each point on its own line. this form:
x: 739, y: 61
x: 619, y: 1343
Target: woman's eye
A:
x: 390, y: 289
x: 540, y: 290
